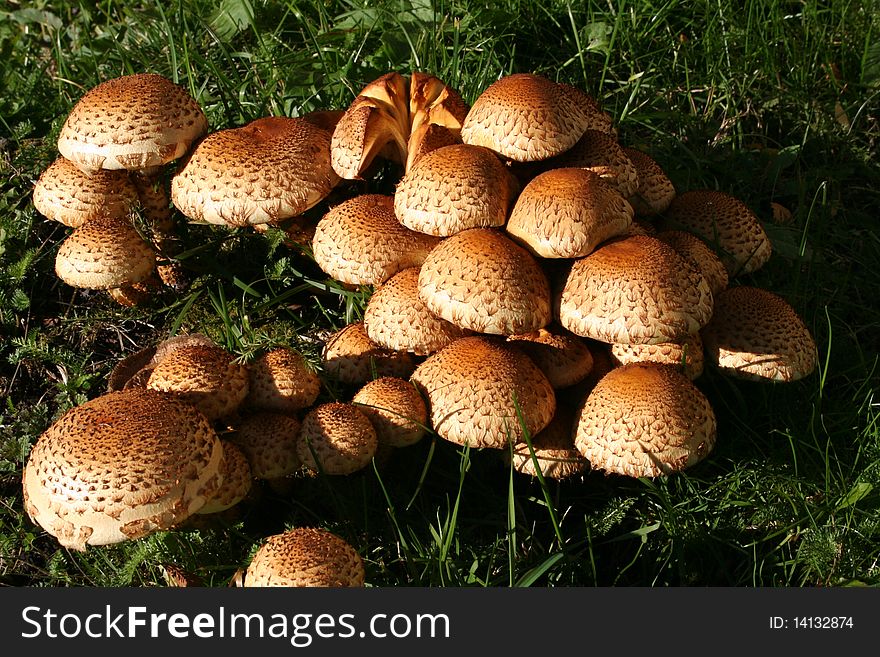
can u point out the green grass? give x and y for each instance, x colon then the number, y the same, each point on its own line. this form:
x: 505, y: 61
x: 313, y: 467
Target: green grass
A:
x: 771, y: 101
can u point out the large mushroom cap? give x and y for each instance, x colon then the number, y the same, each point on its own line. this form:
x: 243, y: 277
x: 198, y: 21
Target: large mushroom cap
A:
x: 353, y: 358
x: 452, y: 189
x: 525, y: 117
x: 121, y: 466
x: 132, y: 122
x: 306, y: 557
x: 65, y: 194
x: 361, y: 242
x: 337, y: 439
x: 282, y: 381
x: 104, y: 253
x: 566, y: 213
x: 396, y: 410
x: 480, y: 280
x: 396, y: 318
x: 268, y: 170
x: 474, y: 387
x: 636, y: 290
x: 725, y: 223
x: 645, y: 420
x: 756, y: 334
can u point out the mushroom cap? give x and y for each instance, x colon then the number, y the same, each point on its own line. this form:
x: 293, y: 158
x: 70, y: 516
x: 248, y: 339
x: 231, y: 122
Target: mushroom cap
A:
x: 686, y: 355
x: 396, y: 318
x: 65, y: 194
x: 426, y: 138
x: 352, y: 357
x: 756, y: 334
x: 554, y: 450
x: 600, y: 152
x: 235, y: 472
x: 698, y: 253
x: 726, y: 224
x: 361, y: 242
x: 148, y: 357
x: 525, y: 117
x: 563, y: 357
x: 268, y: 170
x: 268, y: 440
x: 306, y: 557
x: 645, y: 420
x: 432, y: 102
x: 454, y: 188
x: 567, y: 213
x: 121, y: 466
x: 655, y: 191
x: 207, y: 376
x: 473, y: 388
x: 598, y: 119
x: 396, y: 410
x: 336, y: 438
x: 282, y: 381
x: 480, y: 280
x: 636, y: 290
x: 103, y: 253
x: 132, y: 122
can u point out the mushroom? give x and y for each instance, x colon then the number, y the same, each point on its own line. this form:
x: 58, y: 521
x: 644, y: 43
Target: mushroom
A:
x: 268, y: 170
x: 645, y: 420
x: 305, y: 557
x: 235, y: 472
x: 484, y: 392
x: 480, y: 280
x: 134, y: 370
x: 336, y: 438
x: 396, y: 410
x: 755, y: 334
x: 686, y: 355
x: 599, y: 152
x: 655, y: 191
x: 553, y: 449
x: 353, y: 358
x: 121, y: 466
x: 700, y: 255
x: 282, y: 381
x: 563, y: 357
x: 268, y: 440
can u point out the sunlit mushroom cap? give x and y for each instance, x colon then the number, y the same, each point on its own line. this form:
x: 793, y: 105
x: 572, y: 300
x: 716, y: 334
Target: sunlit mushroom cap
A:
x: 268, y: 440
x: 396, y: 410
x: 282, y: 381
x: 645, y: 420
x: 726, y: 224
x: 636, y: 290
x: 480, y: 280
x: 686, y: 355
x: 270, y: 169
x: 698, y: 253
x: 478, y: 386
x: 132, y: 122
x: 147, y: 358
x: 553, y: 449
x: 336, y: 438
x: 600, y: 153
x: 525, y: 117
x: 756, y: 334
x: 566, y: 213
x: 65, y: 194
x: 396, y: 318
x: 207, y: 376
x: 235, y: 472
x: 563, y: 357
x: 361, y: 242
x: 655, y: 190
x: 452, y: 189
x: 353, y: 358
x: 305, y: 557
x: 104, y: 253
x: 121, y: 466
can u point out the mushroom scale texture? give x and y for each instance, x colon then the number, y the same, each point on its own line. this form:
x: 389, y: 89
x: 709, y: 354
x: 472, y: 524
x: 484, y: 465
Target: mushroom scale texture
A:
x: 336, y: 438
x: 353, y: 358
x: 395, y: 408
x: 121, y: 466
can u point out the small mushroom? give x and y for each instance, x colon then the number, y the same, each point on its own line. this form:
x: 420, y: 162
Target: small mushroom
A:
x: 336, y: 438
x: 353, y: 358
x: 655, y: 191
x: 235, y: 472
x: 553, y: 448
x: 562, y: 356
x: 396, y: 410
x: 686, y: 355
x: 268, y: 440
x: 282, y: 381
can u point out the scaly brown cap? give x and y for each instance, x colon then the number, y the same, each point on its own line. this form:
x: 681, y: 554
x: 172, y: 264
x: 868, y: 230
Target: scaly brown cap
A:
x: 353, y: 358
x: 599, y: 152
x: 396, y: 410
x: 655, y: 190
x: 554, y: 450
x: 337, y: 439
x: 686, y: 355
x: 282, y: 381
x: 698, y: 253
x: 562, y: 356
x: 235, y: 472
x: 268, y: 440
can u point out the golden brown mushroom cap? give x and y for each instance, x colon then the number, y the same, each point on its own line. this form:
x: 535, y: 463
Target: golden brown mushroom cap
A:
x: 686, y: 355
x: 361, y: 242
x: 268, y: 440
x: 147, y: 358
x: 268, y: 170
x: 121, y: 466
x: 104, y: 253
x: 235, y: 473
x: 396, y: 318
x: 65, y: 194
x: 525, y: 117
x: 636, y: 290
x: 207, y: 376
x: 307, y: 557
x: 699, y: 254
x: 480, y: 280
x: 563, y: 357
x: 132, y: 122
x: 454, y: 188
x: 282, y: 381
x: 756, y: 334
x: 566, y: 213
x: 725, y: 223
x: 396, y: 410
x: 600, y: 153
x: 554, y: 450
x: 645, y: 420
x: 473, y: 387
x: 336, y: 438
x: 655, y: 190
x: 352, y: 357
